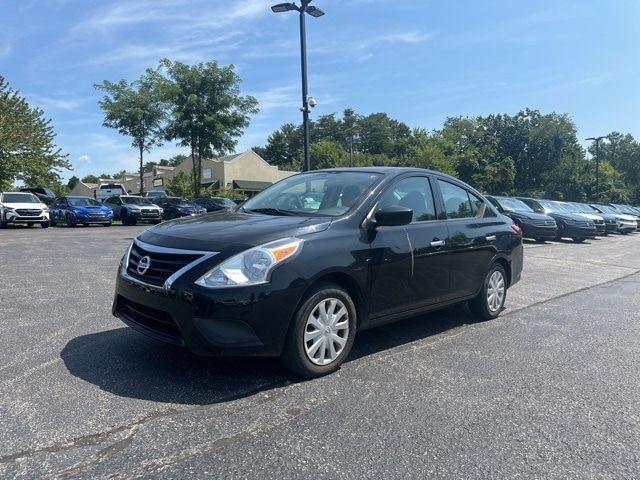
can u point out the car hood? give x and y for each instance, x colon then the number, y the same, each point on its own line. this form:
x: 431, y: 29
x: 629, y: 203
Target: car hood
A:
x: 230, y: 230
x: 29, y: 206
x: 625, y: 217
x: 590, y: 216
x: 567, y: 216
x: 529, y: 215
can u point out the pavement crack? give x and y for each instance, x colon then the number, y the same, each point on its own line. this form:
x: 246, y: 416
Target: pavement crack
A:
x: 100, y: 438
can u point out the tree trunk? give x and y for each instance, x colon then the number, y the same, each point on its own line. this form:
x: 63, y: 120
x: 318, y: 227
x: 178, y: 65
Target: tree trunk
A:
x: 194, y: 171
x: 141, y: 170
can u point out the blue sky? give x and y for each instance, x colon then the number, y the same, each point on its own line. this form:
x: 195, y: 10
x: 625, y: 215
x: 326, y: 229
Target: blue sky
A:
x: 419, y: 60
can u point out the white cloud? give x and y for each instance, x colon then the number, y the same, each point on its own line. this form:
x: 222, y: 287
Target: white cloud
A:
x: 287, y: 96
x: 84, y: 159
x: 396, y: 38
x: 48, y: 103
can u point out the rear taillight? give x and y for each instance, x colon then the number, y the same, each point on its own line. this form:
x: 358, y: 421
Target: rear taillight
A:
x: 517, y: 229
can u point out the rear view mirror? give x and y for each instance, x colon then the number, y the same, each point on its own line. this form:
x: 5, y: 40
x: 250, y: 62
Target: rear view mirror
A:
x: 393, y: 216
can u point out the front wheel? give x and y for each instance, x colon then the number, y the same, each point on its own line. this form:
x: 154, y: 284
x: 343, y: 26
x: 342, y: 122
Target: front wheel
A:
x: 322, y: 332
x: 490, y: 301
x: 578, y: 239
x: 44, y: 224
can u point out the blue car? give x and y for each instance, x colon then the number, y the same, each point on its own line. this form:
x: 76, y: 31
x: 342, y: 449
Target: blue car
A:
x: 74, y: 210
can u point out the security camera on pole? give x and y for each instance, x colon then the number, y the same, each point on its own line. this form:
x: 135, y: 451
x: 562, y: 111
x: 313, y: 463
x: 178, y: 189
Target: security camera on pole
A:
x: 307, y: 101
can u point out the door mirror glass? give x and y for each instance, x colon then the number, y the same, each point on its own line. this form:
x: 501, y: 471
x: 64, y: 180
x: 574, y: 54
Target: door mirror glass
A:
x: 393, y: 216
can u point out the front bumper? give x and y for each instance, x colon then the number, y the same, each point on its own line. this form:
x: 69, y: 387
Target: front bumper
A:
x: 146, y: 216
x: 229, y: 321
x: 574, y: 231
x: 601, y: 228
x: 15, y: 217
x: 533, y: 231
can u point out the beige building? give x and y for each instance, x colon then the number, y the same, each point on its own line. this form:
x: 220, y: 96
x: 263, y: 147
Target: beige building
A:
x: 246, y: 171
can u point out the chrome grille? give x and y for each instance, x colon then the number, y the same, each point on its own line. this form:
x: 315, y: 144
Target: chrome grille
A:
x: 161, y: 265
x: 24, y: 212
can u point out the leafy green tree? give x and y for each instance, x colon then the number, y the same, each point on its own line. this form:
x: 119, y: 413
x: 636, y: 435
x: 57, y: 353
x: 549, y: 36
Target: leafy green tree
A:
x: 207, y: 112
x: 135, y: 110
x: 73, y: 181
x: 328, y: 154
x: 27, y: 148
x: 90, y: 179
x: 179, y: 185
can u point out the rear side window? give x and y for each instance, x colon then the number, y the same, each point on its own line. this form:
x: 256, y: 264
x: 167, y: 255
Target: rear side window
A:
x: 414, y: 193
x: 457, y: 201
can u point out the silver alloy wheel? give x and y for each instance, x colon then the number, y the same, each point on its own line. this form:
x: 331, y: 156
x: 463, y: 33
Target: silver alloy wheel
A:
x: 495, y: 291
x: 326, y: 331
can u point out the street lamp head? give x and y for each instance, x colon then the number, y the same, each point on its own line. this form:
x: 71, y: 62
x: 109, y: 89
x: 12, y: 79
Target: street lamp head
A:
x: 284, y: 7
x: 314, y: 12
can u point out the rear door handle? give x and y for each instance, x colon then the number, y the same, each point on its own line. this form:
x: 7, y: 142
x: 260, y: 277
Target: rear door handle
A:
x: 437, y: 243
x: 490, y: 238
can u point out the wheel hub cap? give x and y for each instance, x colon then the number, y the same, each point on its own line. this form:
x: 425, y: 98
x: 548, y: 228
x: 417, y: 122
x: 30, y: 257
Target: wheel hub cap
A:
x: 495, y: 291
x: 326, y: 331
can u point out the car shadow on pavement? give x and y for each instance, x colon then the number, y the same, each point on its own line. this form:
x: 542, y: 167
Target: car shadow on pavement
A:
x: 127, y: 364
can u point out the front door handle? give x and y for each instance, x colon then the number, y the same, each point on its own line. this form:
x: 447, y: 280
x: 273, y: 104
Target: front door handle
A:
x: 490, y: 238
x: 437, y: 243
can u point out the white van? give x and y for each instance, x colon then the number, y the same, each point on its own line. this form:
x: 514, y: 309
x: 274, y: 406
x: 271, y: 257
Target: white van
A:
x: 107, y: 190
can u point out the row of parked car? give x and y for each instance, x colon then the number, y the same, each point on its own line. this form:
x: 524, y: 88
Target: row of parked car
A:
x: 542, y: 219
x: 539, y: 219
x: 30, y: 208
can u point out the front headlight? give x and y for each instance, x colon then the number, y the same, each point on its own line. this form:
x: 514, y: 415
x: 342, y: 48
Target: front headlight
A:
x: 253, y: 266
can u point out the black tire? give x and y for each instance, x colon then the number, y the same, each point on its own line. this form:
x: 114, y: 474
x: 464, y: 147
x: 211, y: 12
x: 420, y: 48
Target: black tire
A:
x: 479, y: 306
x: 540, y: 240
x: 578, y: 239
x: 44, y: 224
x: 3, y: 224
x: 70, y: 221
x: 106, y: 224
x: 294, y: 355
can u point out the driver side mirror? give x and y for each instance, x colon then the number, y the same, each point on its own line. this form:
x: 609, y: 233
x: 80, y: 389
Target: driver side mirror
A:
x: 393, y: 216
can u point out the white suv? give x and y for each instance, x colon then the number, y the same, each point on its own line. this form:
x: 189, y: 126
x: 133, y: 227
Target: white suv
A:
x: 21, y: 207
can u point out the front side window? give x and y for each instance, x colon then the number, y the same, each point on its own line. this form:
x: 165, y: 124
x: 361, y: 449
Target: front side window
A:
x: 319, y: 193
x: 457, y: 202
x: 414, y: 193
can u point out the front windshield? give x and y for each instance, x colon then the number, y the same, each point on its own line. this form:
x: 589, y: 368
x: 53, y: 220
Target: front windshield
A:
x: 319, y: 193
x: 19, y: 198
x: 606, y: 209
x: 176, y: 201
x: 625, y: 209
x: 550, y: 206
x: 564, y: 207
x: 580, y: 208
x: 135, y: 201
x: 513, y: 204
x: 83, y: 202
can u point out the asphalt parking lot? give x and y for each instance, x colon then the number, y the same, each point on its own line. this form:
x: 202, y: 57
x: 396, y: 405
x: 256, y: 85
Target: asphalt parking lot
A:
x: 549, y: 390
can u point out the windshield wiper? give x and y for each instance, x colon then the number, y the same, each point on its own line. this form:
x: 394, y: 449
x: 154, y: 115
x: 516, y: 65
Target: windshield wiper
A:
x: 270, y: 211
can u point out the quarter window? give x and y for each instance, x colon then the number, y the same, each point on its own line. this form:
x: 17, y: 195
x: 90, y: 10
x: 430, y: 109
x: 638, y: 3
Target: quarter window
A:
x: 414, y: 193
x: 457, y: 201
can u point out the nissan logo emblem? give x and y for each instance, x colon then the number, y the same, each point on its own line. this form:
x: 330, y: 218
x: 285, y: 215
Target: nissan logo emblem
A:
x: 143, y: 265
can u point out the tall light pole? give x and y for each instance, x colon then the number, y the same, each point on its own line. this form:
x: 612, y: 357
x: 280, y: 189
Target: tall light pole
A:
x: 306, y: 103
x: 597, y: 140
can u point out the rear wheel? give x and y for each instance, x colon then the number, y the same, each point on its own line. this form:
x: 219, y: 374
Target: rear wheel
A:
x: 322, y: 332
x: 490, y: 301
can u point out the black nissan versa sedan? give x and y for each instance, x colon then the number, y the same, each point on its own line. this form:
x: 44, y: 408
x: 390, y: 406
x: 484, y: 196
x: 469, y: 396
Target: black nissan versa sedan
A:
x: 534, y: 225
x: 281, y: 277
